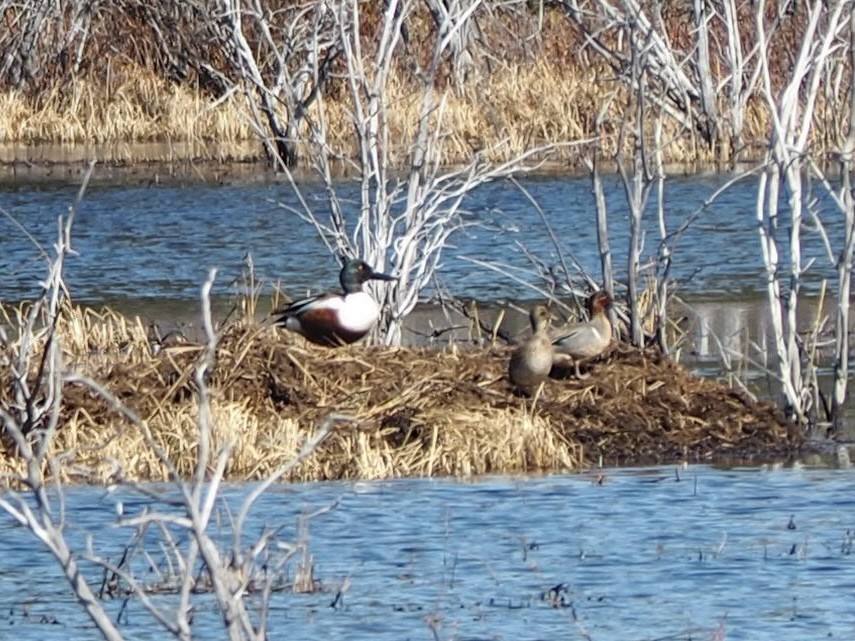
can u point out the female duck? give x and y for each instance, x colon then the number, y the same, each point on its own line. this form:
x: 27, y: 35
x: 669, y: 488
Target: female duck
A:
x: 531, y: 361
x: 336, y: 319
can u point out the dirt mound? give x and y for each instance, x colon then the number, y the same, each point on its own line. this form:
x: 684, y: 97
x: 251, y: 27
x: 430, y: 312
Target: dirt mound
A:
x: 638, y: 407
x: 633, y: 406
x: 418, y: 411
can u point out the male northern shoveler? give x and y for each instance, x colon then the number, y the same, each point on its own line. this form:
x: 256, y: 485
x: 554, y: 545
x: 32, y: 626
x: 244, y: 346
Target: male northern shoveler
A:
x: 585, y: 340
x: 531, y: 361
x: 336, y: 319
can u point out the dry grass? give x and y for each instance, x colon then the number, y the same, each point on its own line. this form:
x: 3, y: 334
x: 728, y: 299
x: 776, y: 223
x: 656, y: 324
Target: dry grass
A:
x: 414, y: 411
x: 536, y: 82
x: 137, y: 106
x: 515, y: 108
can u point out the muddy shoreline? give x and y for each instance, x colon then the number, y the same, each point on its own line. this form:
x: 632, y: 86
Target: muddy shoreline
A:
x: 152, y: 164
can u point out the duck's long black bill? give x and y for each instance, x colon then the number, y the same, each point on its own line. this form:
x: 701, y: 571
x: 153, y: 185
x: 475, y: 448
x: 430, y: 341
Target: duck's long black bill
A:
x: 379, y: 276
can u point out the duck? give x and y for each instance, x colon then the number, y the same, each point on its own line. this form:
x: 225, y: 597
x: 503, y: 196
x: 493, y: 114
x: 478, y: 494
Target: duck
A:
x: 531, y: 361
x: 581, y: 341
x: 334, y: 319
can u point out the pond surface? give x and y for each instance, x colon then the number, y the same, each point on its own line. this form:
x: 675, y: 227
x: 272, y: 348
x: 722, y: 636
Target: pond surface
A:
x: 157, y: 241
x: 657, y: 553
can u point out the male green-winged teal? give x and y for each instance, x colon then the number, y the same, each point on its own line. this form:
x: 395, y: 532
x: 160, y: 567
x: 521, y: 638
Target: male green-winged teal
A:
x: 580, y: 341
x: 531, y: 362
x: 336, y: 319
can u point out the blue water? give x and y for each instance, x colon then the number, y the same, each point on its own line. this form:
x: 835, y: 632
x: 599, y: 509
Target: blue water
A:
x: 641, y: 557
x: 653, y: 553
x: 156, y: 241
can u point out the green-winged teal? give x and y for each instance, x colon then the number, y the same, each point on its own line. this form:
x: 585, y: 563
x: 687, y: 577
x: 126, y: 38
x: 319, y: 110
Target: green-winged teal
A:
x: 580, y: 341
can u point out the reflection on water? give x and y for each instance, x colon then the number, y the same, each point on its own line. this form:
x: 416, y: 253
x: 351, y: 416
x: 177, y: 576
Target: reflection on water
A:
x: 57, y: 161
x: 696, y: 553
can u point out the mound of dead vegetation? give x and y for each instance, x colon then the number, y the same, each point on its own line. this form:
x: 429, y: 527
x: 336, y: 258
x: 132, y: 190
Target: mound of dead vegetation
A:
x: 406, y: 411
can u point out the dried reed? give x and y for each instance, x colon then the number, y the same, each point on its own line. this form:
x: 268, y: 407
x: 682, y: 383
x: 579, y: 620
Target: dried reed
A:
x: 538, y: 79
x: 138, y: 106
x: 415, y: 411
x: 517, y: 107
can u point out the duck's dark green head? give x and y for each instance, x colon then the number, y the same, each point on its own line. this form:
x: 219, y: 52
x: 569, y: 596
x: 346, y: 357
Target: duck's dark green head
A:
x: 357, y: 272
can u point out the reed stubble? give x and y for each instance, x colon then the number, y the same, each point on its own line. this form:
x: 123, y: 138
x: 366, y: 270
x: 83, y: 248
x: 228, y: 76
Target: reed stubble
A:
x: 410, y: 411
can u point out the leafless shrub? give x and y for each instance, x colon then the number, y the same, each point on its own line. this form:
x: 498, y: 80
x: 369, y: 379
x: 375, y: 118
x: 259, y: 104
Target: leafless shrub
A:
x: 641, y: 174
x: 31, y: 420
x: 788, y: 161
x: 41, y: 39
x: 409, y: 204
x: 619, y: 31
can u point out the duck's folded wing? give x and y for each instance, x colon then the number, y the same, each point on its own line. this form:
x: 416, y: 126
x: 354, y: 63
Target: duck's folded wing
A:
x: 584, y: 340
x: 299, y: 306
x: 572, y: 337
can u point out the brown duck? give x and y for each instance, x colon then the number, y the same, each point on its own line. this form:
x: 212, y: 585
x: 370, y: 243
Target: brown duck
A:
x: 531, y: 362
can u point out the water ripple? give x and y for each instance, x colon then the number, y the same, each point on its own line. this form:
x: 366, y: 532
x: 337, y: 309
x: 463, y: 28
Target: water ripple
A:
x: 159, y: 241
x: 755, y: 553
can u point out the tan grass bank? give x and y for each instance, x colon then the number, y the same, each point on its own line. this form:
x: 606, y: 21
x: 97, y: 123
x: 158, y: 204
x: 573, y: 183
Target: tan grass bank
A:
x: 414, y: 411
x: 516, y: 108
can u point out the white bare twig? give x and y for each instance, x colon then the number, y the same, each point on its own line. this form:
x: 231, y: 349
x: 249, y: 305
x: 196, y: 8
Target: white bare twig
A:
x: 792, y: 111
x: 32, y: 418
x: 404, y: 218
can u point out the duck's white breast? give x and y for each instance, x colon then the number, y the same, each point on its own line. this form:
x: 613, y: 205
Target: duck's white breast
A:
x: 357, y: 312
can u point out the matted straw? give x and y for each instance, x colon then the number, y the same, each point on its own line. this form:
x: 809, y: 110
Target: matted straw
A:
x: 414, y: 411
